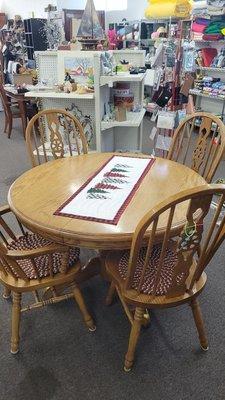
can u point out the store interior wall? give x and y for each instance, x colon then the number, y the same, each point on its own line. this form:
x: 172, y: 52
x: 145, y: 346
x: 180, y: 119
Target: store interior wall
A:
x: 24, y: 8
x: 135, y: 9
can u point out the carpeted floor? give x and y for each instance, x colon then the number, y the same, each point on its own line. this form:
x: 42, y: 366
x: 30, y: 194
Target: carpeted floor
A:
x: 60, y: 360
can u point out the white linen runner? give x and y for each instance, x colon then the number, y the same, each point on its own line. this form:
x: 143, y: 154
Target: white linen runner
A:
x: 106, y: 194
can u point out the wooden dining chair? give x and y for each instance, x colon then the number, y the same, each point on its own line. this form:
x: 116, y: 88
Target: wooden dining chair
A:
x: 199, y: 142
x: 15, y: 107
x: 30, y: 263
x: 53, y: 134
x: 167, y: 271
x: 2, y: 77
x: 11, y: 111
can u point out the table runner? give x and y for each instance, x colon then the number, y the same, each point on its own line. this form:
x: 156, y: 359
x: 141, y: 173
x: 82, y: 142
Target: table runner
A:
x: 106, y: 194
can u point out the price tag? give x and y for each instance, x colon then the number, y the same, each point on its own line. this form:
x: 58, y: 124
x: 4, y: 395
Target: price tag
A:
x: 154, y: 116
x: 153, y: 133
x: 163, y: 142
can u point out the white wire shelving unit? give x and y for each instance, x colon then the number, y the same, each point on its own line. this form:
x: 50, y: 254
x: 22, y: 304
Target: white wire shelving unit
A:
x: 108, y: 136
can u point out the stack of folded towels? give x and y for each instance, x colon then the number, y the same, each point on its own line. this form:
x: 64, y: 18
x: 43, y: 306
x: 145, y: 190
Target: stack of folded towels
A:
x: 198, y: 27
x: 210, y: 87
x: 211, y: 7
x: 216, y: 7
x: 204, y: 29
x: 199, y: 7
x: 214, y: 31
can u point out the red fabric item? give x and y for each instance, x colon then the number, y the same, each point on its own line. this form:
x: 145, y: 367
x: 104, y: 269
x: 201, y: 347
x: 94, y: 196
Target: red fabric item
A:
x: 32, y: 241
x: 208, y: 54
x: 197, y: 27
x: 213, y: 37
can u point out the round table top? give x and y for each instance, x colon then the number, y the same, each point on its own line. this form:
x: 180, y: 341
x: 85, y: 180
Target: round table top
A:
x: 39, y: 192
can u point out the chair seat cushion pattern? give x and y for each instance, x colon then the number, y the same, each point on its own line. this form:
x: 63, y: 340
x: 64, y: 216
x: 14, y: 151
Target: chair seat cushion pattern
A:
x: 166, y: 275
x: 33, y: 241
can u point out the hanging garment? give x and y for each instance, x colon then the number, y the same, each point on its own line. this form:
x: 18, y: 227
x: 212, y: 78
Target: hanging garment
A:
x: 189, y: 64
x: 187, y: 85
x: 208, y: 55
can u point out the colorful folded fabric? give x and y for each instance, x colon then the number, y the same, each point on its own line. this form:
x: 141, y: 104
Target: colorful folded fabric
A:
x: 195, y: 27
x: 215, y: 27
x: 213, y: 37
x: 197, y: 36
x: 202, y: 21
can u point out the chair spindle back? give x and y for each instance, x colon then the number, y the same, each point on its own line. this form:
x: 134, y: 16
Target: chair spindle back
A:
x: 184, y: 254
x: 53, y: 134
x: 199, y: 148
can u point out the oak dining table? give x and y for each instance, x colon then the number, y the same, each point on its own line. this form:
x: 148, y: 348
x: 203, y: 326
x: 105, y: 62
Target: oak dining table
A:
x: 38, y: 193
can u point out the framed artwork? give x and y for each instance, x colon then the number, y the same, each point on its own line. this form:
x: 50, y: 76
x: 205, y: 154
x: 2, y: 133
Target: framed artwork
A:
x: 71, y: 28
x: 78, y: 65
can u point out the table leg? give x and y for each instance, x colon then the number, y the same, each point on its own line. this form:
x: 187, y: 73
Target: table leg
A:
x: 94, y: 266
x: 90, y: 269
x: 103, y: 273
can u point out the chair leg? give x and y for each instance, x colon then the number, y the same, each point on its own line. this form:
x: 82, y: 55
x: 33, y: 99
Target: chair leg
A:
x: 146, y: 319
x: 134, y: 335
x: 110, y: 294
x: 16, y: 311
x: 6, y: 293
x: 9, y: 126
x: 197, y: 314
x: 82, y: 306
x: 6, y: 124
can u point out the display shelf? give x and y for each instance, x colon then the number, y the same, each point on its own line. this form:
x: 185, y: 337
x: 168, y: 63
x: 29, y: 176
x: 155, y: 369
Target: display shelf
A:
x: 208, y: 96
x: 213, y: 69
x: 121, y: 77
x: 134, y: 119
x: 50, y: 67
x: 59, y: 95
x: 209, y: 41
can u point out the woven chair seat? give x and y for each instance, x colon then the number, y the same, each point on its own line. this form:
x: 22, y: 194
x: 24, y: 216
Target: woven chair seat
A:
x: 33, y: 241
x: 165, y: 281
